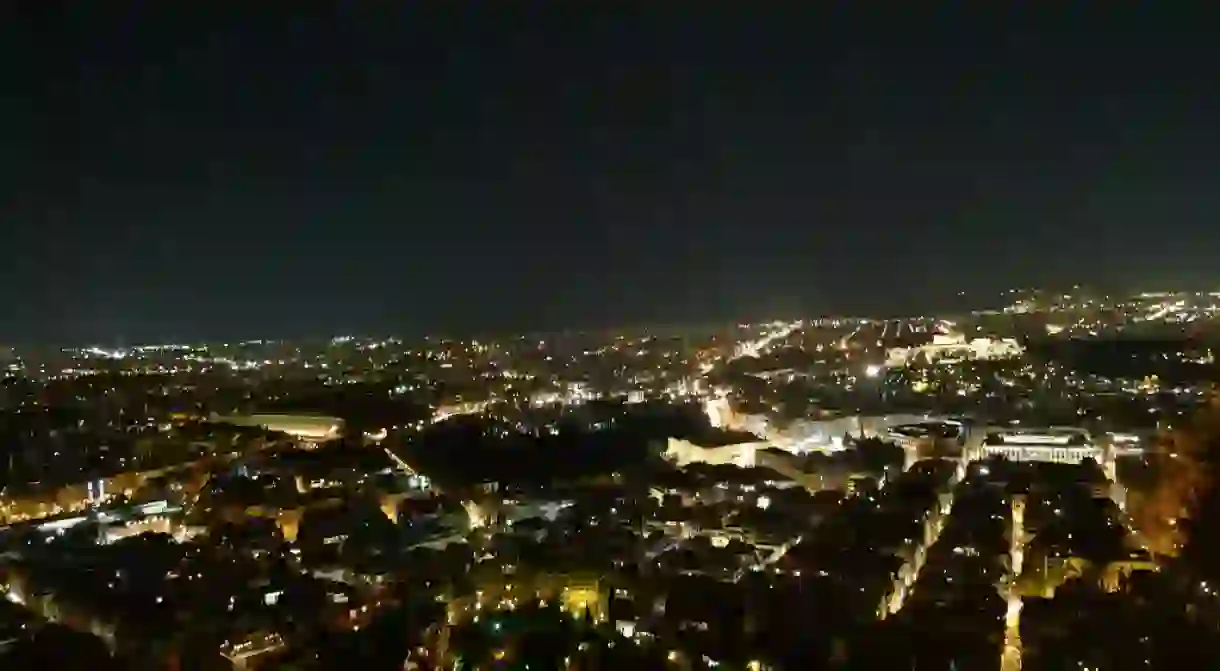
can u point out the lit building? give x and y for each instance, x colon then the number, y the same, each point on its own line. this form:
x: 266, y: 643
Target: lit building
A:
x: 1063, y: 445
x: 682, y: 452
x: 803, y: 436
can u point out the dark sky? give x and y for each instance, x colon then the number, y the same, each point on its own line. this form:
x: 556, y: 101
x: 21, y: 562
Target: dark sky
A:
x: 176, y: 169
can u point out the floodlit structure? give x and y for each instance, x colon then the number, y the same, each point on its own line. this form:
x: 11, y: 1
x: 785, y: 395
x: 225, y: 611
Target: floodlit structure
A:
x: 683, y: 452
x: 805, y: 437
x: 925, y: 434
x: 1062, y: 445
x: 947, y: 348
x: 308, y: 427
x: 816, y: 435
x: 828, y: 472
x: 812, y: 435
x: 719, y: 413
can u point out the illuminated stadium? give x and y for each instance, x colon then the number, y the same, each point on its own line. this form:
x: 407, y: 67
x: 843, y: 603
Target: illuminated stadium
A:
x: 306, y: 427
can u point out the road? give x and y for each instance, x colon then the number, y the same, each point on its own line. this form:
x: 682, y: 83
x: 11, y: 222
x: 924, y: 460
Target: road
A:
x: 754, y: 348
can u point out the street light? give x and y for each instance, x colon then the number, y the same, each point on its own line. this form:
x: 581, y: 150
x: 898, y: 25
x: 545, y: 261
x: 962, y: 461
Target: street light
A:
x: 872, y: 370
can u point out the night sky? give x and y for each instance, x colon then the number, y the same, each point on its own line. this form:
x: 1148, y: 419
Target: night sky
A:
x: 170, y: 172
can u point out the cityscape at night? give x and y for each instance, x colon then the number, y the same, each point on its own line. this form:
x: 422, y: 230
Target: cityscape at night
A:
x: 675, y: 336
x: 982, y: 489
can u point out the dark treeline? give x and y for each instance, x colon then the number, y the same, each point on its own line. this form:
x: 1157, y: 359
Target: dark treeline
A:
x: 610, y: 438
x: 1128, y: 358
